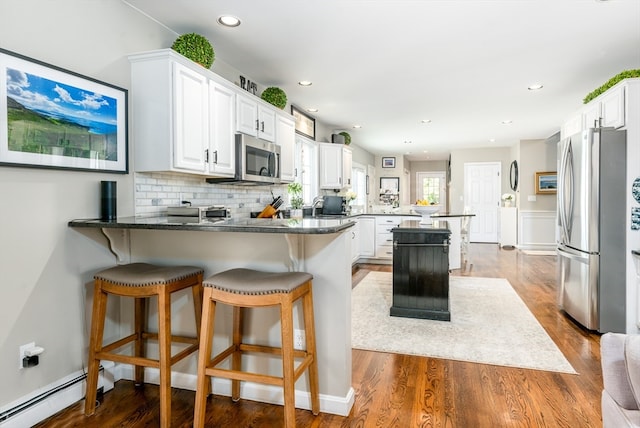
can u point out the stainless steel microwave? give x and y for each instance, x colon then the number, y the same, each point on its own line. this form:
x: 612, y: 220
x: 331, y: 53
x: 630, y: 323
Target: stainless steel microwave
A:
x: 257, y: 162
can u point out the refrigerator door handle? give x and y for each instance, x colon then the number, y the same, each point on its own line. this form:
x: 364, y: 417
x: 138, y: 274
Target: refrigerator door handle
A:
x: 566, y: 171
x: 583, y: 258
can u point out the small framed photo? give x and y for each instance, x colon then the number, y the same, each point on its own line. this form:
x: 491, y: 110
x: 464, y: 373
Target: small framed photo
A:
x: 389, y: 184
x: 305, y: 124
x: 56, y: 118
x: 546, y: 183
x: 388, y: 162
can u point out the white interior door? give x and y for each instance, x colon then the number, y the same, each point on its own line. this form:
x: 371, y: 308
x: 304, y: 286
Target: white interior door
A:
x: 482, y: 198
x: 432, y: 185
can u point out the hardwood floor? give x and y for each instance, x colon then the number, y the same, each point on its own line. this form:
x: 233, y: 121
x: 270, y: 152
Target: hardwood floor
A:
x: 408, y: 391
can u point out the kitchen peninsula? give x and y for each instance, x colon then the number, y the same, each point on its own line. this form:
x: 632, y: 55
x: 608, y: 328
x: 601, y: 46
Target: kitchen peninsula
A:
x: 318, y: 246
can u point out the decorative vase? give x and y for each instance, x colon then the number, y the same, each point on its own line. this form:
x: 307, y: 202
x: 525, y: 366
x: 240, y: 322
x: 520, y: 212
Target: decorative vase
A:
x: 295, y: 213
x: 507, y: 204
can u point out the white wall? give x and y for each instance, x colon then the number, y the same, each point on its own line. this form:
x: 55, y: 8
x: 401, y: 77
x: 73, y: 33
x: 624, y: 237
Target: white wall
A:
x: 45, y: 266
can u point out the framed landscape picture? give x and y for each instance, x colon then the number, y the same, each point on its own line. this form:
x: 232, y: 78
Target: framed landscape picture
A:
x: 55, y: 118
x: 546, y: 183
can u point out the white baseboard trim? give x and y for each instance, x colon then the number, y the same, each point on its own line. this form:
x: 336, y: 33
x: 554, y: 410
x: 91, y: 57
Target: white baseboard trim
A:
x: 332, y: 404
x: 50, y: 399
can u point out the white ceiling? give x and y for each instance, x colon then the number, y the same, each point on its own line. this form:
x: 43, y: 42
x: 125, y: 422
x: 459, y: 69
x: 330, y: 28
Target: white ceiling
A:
x: 388, y: 64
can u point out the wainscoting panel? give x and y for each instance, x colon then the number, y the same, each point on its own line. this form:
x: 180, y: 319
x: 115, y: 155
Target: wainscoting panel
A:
x: 537, y: 230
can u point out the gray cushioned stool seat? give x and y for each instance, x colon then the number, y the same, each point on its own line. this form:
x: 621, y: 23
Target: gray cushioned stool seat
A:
x: 253, y: 282
x: 141, y: 274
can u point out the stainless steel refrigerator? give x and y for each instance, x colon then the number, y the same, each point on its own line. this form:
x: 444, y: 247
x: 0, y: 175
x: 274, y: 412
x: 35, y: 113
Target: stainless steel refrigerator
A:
x: 591, y: 228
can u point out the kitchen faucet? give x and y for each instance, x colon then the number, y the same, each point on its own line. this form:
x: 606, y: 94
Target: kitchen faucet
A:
x: 314, y: 204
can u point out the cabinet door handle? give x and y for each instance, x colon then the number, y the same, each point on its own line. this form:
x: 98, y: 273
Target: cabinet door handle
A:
x: 262, y: 126
x: 206, y: 155
x: 257, y: 124
x: 215, y: 157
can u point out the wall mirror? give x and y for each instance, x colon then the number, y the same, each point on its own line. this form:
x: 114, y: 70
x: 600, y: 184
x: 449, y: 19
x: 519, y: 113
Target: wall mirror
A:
x: 513, y: 176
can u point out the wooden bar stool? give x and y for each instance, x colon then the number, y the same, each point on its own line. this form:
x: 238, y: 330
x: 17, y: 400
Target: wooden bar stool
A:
x: 245, y: 288
x: 141, y: 281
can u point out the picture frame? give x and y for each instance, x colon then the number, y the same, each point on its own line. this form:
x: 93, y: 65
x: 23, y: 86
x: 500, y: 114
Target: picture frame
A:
x: 304, y: 124
x: 59, y: 119
x: 388, y: 162
x: 546, y: 183
x: 389, y: 185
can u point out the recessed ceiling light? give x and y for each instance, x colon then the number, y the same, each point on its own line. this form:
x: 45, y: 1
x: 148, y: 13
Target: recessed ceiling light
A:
x: 305, y: 83
x: 507, y: 122
x: 357, y: 126
x: 312, y: 110
x: 535, y: 87
x: 426, y: 121
x: 228, y: 21
x: 492, y: 140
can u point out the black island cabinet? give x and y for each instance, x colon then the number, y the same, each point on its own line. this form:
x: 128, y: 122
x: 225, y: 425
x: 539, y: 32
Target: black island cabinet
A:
x: 421, y: 270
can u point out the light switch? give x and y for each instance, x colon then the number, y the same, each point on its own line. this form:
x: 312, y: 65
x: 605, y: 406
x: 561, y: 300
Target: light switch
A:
x: 531, y: 198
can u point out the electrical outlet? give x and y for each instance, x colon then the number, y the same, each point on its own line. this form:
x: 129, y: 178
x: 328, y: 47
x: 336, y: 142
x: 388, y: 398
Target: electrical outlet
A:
x: 298, y: 339
x: 22, y: 351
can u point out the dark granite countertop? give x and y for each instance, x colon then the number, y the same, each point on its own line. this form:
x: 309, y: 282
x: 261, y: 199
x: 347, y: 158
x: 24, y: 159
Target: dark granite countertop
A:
x: 255, y: 225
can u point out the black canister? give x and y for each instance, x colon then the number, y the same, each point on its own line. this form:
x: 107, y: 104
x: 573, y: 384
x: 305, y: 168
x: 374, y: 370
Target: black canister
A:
x: 108, y: 200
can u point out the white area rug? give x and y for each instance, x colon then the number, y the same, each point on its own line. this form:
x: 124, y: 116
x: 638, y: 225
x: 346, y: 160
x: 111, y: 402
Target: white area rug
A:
x: 539, y: 252
x: 489, y: 324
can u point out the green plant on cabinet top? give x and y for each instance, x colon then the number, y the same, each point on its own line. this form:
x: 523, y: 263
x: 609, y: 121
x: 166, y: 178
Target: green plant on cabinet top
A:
x: 347, y: 137
x: 627, y: 74
x: 195, y: 47
x: 275, y: 96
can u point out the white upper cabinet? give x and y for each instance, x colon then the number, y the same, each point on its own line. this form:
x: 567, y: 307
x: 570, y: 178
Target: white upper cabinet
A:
x: 190, y: 118
x: 183, y: 116
x: 254, y: 118
x: 286, y: 138
x: 606, y: 110
x: 612, y: 107
x: 335, y: 166
x: 221, y: 155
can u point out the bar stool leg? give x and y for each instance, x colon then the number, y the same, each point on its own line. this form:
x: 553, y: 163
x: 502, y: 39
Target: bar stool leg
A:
x: 197, y: 293
x: 310, y: 337
x: 95, y: 346
x: 140, y: 316
x: 164, y: 349
x: 286, y: 321
x: 236, y: 358
x: 206, y: 343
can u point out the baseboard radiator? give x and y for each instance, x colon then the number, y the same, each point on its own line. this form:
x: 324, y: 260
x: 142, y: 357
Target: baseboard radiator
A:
x: 26, y: 412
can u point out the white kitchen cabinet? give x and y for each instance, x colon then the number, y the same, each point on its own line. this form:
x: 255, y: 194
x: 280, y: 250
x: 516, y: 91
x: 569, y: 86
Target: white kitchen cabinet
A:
x: 335, y: 166
x: 384, y: 235
x: 355, y: 241
x: 183, y: 115
x: 607, y: 110
x: 191, y: 116
x: 222, y: 150
x: 367, y: 241
x: 286, y: 139
x: 612, y: 107
x: 254, y: 118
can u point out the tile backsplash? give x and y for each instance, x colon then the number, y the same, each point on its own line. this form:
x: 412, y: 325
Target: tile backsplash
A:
x: 155, y: 191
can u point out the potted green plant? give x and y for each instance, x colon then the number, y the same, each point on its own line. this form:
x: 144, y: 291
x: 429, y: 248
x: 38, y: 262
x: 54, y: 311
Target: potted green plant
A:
x: 195, y: 47
x: 275, y: 96
x: 347, y: 137
x: 295, y: 199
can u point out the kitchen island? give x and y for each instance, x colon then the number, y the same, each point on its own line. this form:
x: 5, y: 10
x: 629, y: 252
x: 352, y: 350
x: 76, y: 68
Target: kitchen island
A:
x: 318, y: 246
x: 421, y: 270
